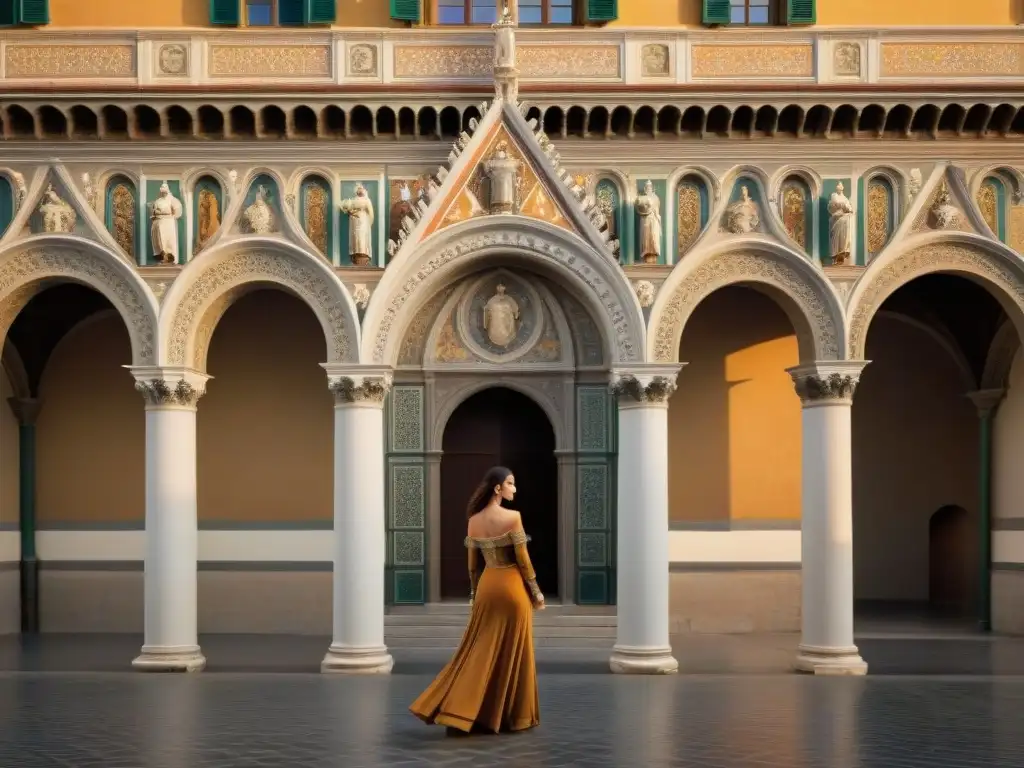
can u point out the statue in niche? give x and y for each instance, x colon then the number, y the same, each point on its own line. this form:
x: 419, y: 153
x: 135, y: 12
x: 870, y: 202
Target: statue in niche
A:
x: 648, y: 207
x: 501, y: 318
x: 360, y: 228
x: 840, y: 210
x: 209, y: 217
x: 501, y: 169
x: 164, y: 213
x: 58, y: 216
x: 259, y: 216
x: 743, y: 216
x: 944, y: 213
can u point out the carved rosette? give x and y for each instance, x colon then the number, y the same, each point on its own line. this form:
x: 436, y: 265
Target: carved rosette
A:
x: 631, y: 389
x: 834, y: 384
x: 160, y: 392
x: 348, y: 390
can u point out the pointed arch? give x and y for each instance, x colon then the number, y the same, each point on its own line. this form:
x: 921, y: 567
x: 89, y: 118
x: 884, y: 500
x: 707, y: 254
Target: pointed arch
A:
x: 213, y: 281
x: 797, y: 285
x: 27, y: 265
x: 416, y: 274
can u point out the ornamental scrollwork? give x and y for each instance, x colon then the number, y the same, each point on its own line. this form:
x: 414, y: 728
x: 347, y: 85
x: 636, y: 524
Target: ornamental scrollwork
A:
x: 359, y: 389
x: 158, y: 392
x: 833, y: 386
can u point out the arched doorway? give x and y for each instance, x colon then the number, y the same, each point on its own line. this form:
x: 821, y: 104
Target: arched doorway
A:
x: 952, y: 561
x: 499, y: 426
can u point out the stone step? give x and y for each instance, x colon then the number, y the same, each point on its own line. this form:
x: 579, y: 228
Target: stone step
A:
x: 456, y: 630
x: 449, y: 644
x: 540, y: 619
x: 462, y: 609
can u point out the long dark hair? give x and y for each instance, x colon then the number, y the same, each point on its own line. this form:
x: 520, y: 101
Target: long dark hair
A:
x: 482, y: 495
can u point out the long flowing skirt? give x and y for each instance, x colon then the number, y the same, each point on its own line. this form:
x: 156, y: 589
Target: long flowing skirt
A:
x: 491, y: 682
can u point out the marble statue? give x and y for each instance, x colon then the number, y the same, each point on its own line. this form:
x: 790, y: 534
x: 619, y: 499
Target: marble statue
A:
x: 92, y: 194
x: 501, y: 318
x: 914, y: 185
x: 259, y: 217
x: 648, y: 207
x: 645, y: 291
x: 840, y: 211
x: 743, y: 216
x: 164, y: 213
x: 58, y: 216
x: 20, y: 188
x: 504, y: 40
x: 944, y: 213
x: 360, y: 232
x: 502, y: 169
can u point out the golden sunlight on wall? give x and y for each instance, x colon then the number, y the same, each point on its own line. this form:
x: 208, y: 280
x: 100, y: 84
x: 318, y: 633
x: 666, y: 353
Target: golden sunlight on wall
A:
x: 191, y: 13
x: 266, y: 421
x: 734, y: 421
x: 90, y: 435
x: 1008, y: 447
x: 915, y: 438
x: 8, y: 455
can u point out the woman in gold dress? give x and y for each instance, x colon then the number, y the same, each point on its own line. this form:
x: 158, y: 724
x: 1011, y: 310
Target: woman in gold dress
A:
x: 491, y: 682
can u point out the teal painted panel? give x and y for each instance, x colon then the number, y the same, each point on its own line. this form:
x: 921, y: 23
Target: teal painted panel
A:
x: 207, y: 211
x: 593, y: 416
x: 409, y: 587
x: 998, y: 189
x: 316, y: 200
x: 660, y: 186
x: 593, y: 588
x: 828, y: 186
x: 592, y: 549
x: 408, y: 549
x: 348, y: 190
x: 152, y: 192
x: 406, y: 419
x: 6, y: 204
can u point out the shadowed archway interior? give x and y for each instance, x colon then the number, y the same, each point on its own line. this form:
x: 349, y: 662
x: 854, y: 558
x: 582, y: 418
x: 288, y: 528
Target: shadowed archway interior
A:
x: 499, y: 426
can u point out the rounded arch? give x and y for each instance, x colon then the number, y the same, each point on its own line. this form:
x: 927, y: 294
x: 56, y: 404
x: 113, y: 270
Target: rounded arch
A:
x: 27, y: 265
x: 1013, y: 178
x: 523, y: 386
x: 797, y: 285
x: 217, y: 278
x: 1001, y: 354
x: 806, y: 174
x: 989, y: 263
x: 414, y: 277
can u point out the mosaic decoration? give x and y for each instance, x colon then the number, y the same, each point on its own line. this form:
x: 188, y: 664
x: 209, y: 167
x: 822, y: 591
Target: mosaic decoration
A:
x: 122, y: 214
x: 879, y: 215
x: 690, y: 215
x: 795, y: 211
x: 406, y: 518
x: 208, y: 207
x: 316, y: 214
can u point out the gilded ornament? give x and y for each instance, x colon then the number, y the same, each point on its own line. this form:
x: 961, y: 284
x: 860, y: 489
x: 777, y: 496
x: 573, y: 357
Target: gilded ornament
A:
x: 794, y: 212
x: 770, y: 60
x: 315, y: 219
x: 952, y: 60
x: 570, y: 61
x: 123, y: 218
x: 879, y: 216
x: 987, y: 200
x: 270, y: 61
x: 448, y: 348
x: 209, y: 217
x: 688, y: 216
x: 69, y: 61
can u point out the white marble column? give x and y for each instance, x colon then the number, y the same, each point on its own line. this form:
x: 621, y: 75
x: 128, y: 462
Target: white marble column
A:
x: 171, y: 642
x: 642, y: 641
x: 360, y: 536
x: 826, y: 644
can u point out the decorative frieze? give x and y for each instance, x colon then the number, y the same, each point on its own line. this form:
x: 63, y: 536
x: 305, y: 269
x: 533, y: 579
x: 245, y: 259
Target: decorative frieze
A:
x: 359, y: 389
x: 69, y: 61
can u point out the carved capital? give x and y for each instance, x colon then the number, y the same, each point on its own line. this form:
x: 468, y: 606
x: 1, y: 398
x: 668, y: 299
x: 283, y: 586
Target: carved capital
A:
x: 827, y: 382
x: 986, y: 401
x: 367, y: 386
x: 645, y: 386
x: 26, y: 409
x: 163, y: 387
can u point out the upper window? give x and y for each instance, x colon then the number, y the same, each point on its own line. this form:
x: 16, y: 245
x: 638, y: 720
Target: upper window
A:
x: 486, y: 11
x: 751, y: 12
x: 260, y: 13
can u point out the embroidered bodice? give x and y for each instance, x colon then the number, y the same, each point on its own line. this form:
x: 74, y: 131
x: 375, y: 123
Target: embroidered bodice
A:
x: 504, y: 551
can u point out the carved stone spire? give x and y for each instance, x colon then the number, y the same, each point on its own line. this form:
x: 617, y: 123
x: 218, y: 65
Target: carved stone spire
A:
x: 506, y: 75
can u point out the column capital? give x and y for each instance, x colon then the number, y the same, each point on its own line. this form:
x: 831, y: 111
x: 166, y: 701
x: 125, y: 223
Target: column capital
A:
x: 169, y: 386
x: 986, y: 400
x: 358, y: 385
x: 26, y: 409
x: 645, y: 384
x: 827, y: 382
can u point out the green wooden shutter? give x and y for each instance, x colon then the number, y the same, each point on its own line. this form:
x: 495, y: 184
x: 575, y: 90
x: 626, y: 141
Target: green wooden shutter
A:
x: 602, y: 10
x: 291, y: 12
x: 715, y: 12
x: 225, y: 12
x: 322, y: 11
x: 35, y: 11
x: 801, y: 11
x: 8, y: 15
x: 405, y: 10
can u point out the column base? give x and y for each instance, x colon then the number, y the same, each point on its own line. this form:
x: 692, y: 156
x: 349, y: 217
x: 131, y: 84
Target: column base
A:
x: 643, y: 660
x: 178, y: 658
x: 824, y: 660
x: 357, y: 661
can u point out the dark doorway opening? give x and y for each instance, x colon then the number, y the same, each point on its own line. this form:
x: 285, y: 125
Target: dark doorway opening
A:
x: 952, y: 562
x: 499, y: 427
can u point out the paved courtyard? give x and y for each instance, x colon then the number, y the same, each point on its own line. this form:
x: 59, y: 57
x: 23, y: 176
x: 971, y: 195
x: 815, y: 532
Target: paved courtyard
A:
x: 750, y: 715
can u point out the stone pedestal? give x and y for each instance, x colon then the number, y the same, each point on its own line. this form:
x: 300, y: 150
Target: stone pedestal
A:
x: 171, y: 642
x: 642, y: 640
x: 360, y: 537
x: 826, y: 645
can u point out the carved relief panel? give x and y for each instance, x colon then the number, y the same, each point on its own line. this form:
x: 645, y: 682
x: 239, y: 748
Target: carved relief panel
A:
x: 121, y: 213
x: 207, y: 211
x: 316, y: 213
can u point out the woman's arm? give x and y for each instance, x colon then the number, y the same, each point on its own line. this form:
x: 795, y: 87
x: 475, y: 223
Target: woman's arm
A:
x: 474, y: 568
x: 519, y: 539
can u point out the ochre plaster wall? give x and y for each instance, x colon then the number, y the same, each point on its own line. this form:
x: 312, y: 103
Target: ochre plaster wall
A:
x: 8, y: 455
x: 1008, y: 447
x: 266, y: 421
x: 734, y: 420
x: 634, y: 13
x: 915, y: 438
x: 90, y: 435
